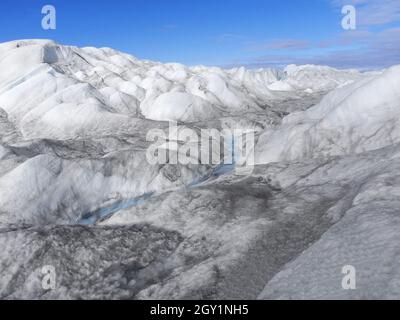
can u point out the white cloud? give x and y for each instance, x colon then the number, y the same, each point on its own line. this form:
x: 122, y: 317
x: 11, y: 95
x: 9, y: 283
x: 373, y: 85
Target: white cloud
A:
x: 358, y: 49
x: 281, y: 44
x: 373, y: 12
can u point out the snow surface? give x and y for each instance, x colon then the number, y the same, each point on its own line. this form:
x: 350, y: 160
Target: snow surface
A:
x: 355, y: 118
x: 77, y: 192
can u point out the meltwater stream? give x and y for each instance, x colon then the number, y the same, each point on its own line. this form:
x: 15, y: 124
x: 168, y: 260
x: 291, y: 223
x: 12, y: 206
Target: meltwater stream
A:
x: 106, y: 212
x: 100, y: 214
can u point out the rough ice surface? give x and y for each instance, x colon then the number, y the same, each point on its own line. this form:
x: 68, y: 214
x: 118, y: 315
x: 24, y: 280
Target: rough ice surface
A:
x: 77, y: 192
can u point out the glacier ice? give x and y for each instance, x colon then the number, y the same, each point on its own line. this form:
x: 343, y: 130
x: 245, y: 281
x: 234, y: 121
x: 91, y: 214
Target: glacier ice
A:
x: 77, y: 192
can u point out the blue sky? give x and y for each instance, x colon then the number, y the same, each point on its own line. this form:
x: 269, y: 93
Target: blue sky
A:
x: 254, y: 33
